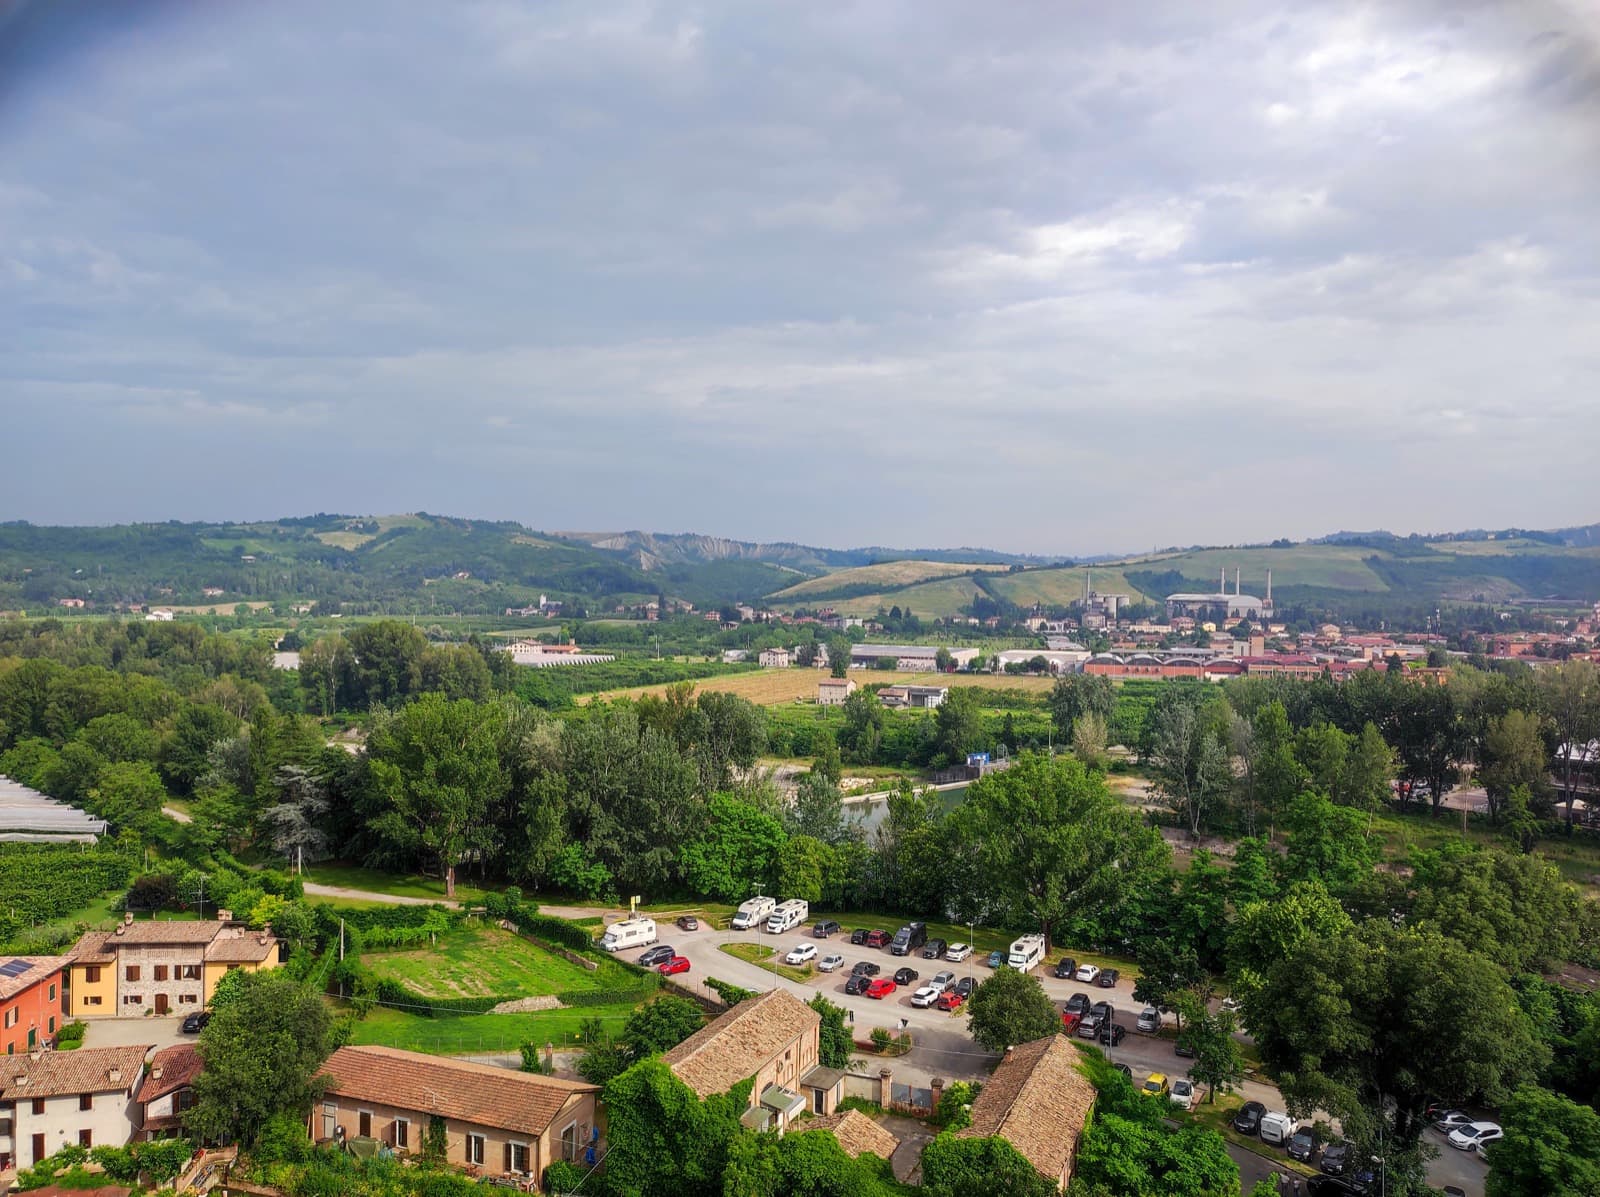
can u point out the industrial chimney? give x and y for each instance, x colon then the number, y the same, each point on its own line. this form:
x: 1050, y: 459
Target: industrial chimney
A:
x: 1236, y: 591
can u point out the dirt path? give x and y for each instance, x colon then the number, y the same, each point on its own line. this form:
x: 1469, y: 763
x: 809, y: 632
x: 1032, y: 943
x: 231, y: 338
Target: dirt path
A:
x: 176, y: 815
x: 367, y: 895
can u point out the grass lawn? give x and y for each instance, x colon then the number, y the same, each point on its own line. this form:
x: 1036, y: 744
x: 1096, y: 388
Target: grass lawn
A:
x: 484, y: 961
x: 465, y: 1034
x: 1577, y: 857
x: 347, y: 876
x: 760, y: 955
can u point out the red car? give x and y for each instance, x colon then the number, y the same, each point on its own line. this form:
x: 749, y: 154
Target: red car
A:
x: 877, y: 939
x: 678, y: 964
x: 881, y: 987
x: 1069, y: 1020
x: 949, y: 1000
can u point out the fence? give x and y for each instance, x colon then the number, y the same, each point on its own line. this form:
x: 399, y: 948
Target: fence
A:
x: 908, y: 1099
x: 864, y: 1087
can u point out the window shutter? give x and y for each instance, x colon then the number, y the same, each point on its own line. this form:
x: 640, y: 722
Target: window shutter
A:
x: 508, y: 1158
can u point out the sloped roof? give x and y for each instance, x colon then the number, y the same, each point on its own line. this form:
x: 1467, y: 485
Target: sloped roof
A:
x: 161, y: 932
x: 1037, y: 1101
x: 59, y: 1074
x: 481, y: 1094
x: 856, y: 1133
x: 16, y: 978
x: 738, y: 1043
x: 239, y: 945
x: 91, y: 949
x: 179, y: 1066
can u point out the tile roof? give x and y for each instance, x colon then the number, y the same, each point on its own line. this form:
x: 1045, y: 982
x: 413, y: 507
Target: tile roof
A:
x: 162, y: 932
x: 179, y: 1065
x: 856, y: 1133
x: 1038, y: 1101
x: 58, y: 1074
x: 91, y: 949
x: 40, y: 968
x: 239, y: 945
x: 738, y: 1043
x: 481, y: 1094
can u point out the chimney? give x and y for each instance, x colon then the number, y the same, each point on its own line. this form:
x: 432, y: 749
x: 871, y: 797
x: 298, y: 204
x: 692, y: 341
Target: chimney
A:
x: 1236, y: 590
x: 122, y: 929
x: 114, y: 1075
x: 155, y: 1072
x: 127, y: 918
x: 20, y: 1080
x: 1269, y: 588
x: 224, y: 916
x: 1222, y: 580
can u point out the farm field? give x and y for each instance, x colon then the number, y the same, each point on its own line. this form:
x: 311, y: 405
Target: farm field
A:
x: 928, y: 600
x: 1330, y: 567
x: 484, y: 961
x: 886, y: 575
x: 772, y: 687
x: 1058, y: 587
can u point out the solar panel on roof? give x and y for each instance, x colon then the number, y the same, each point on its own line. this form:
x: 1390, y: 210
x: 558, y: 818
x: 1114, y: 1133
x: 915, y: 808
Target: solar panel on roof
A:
x: 14, y: 968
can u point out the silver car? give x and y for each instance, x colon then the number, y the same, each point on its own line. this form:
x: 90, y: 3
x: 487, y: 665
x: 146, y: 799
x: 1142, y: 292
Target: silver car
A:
x: 943, y: 981
x: 1149, y: 1019
x: 830, y: 962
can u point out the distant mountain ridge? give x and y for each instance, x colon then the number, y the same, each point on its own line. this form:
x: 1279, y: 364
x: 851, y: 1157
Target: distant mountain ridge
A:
x: 653, y: 550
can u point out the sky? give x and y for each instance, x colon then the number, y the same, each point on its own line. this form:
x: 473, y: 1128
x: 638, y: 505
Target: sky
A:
x: 1048, y: 277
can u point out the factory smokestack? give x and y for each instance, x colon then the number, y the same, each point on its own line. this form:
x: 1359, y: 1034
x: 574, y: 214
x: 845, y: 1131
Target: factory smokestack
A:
x: 1269, y: 588
x: 1236, y: 591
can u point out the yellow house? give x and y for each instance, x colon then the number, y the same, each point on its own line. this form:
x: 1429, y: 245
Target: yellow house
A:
x: 161, y: 968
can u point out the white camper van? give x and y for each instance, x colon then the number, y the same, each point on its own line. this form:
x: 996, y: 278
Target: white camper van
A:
x: 753, y: 913
x: 629, y: 933
x: 787, y: 916
x: 1026, y: 953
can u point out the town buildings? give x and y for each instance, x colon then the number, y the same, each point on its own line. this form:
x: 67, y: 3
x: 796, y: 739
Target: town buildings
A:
x: 168, y: 1091
x: 56, y: 1098
x: 161, y: 967
x: 908, y: 658
x: 1039, y: 1102
x: 832, y: 691
x: 32, y: 997
x: 775, y: 658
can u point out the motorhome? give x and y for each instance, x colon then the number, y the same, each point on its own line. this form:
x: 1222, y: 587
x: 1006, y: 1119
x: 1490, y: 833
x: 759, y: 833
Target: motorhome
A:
x: 753, y: 913
x: 629, y: 933
x: 908, y: 939
x: 788, y: 915
x: 1026, y: 952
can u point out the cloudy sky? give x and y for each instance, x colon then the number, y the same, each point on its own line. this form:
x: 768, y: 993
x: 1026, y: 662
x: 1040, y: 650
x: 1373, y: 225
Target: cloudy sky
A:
x: 1061, y: 277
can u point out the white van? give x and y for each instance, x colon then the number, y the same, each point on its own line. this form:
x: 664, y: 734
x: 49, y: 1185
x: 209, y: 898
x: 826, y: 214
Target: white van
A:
x: 788, y: 916
x: 1276, y: 1127
x: 1026, y: 953
x: 629, y: 933
x: 753, y: 913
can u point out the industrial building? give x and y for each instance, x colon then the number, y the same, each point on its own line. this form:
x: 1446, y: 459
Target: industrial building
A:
x: 908, y: 658
x: 1221, y: 606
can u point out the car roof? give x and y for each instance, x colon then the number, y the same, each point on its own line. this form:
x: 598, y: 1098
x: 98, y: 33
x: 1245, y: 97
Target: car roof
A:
x: 1156, y: 1076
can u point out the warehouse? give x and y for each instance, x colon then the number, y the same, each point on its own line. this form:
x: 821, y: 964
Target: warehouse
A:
x: 908, y: 658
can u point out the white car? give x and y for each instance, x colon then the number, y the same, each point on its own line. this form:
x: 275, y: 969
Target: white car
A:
x: 1182, y: 1094
x: 1088, y: 973
x: 1450, y: 1119
x: 926, y: 996
x: 801, y: 954
x: 830, y: 962
x: 957, y: 952
x: 943, y: 981
x: 1149, y: 1019
x: 1475, y: 1136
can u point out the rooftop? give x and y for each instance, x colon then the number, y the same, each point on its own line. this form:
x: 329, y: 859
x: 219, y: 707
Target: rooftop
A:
x: 21, y: 972
x: 725, y: 1052
x: 60, y: 1074
x: 856, y: 1133
x: 1037, y: 1101
x: 178, y: 1066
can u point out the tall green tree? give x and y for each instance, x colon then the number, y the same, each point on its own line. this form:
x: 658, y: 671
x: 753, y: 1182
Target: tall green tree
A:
x: 1551, y: 1148
x: 1513, y: 755
x: 1190, y: 762
x: 979, y: 1167
x: 1078, y: 694
x: 1571, y: 696
x: 1008, y: 1008
x: 664, y: 1140
x: 835, y: 1044
x: 958, y: 724
x: 735, y: 851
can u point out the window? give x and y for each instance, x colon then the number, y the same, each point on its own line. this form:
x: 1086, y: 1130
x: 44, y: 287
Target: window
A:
x: 185, y: 1101
x: 133, y: 999
x: 92, y: 1000
x: 85, y: 1138
x: 91, y: 973
x: 188, y: 972
x: 11, y: 1016
x: 38, y: 1105
x: 50, y: 1024
x: 132, y: 973
x: 161, y: 972
x: 402, y: 1133
x: 86, y: 1101
x: 364, y: 1124
x: 570, y: 1142
x: 475, y: 1149
x: 516, y: 1157
x: 52, y: 991
x: 188, y: 999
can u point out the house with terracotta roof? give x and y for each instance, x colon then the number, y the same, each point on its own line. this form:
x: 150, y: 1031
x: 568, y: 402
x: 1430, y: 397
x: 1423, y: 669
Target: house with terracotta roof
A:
x: 32, y: 998
x: 161, y: 967
x: 51, y: 1099
x: 168, y: 1091
x: 497, y: 1122
x: 773, y: 1038
x: 832, y: 691
x: 857, y: 1134
x: 1039, y: 1102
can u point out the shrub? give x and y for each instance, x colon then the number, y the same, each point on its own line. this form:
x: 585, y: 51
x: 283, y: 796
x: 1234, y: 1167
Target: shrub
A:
x: 730, y: 994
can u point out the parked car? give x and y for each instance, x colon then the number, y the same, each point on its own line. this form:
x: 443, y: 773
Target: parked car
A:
x: 1103, y: 1009
x: 957, y: 952
x: 1111, y: 1034
x: 997, y: 958
x: 1182, y: 1094
x: 1182, y: 1047
x: 687, y: 922
x: 830, y: 962
x: 951, y: 999
x: 878, y: 938
x: 856, y: 984
x: 1108, y: 978
x: 1275, y: 1127
x: 670, y: 968
x: 904, y: 976
x: 1332, y: 1186
x: 1089, y: 1026
x: 196, y: 1022
x: 866, y: 968
x: 965, y: 986
x: 926, y: 996
x: 823, y: 928
x: 859, y: 936
x: 944, y: 979
x: 1335, y: 1158
x: 1070, y: 1021
x: 1155, y: 1084
x: 1088, y: 974
x: 1448, y: 1120
x: 1248, y: 1120
x: 654, y: 956
x: 1124, y: 1070
x: 1149, y: 1019
x: 1475, y: 1136
x: 1066, y: 968
x: 1078, y: 1003
x: 1231, y: 1005
x: 801, y: 953
x: 1303, y: 1144
x: 933, y: 949
x: 881, y: 987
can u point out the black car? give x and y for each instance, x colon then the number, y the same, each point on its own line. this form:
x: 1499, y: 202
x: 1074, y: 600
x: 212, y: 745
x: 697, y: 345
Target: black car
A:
x: 1248, y: 1120
x: 964, y: 988
x: 196, y: 1023
x: 1066, y: 968
x: 857, y: 983
x: 1336, y: 1158
x: 1329, y: 1186
x: 1108, y: 978
x: 904, y: 976
x: 1102, y: 1009
x: 1111, y: 1034
x: 1183, y: 1048
x: 1077, y: 1004
x: 859, y: 935
x: 865, y: 968
x: 824, y: 928
x: 659, y: 954
x: 934, y: 949
x: 1124, y: 1070
x: 1303, y: 1144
